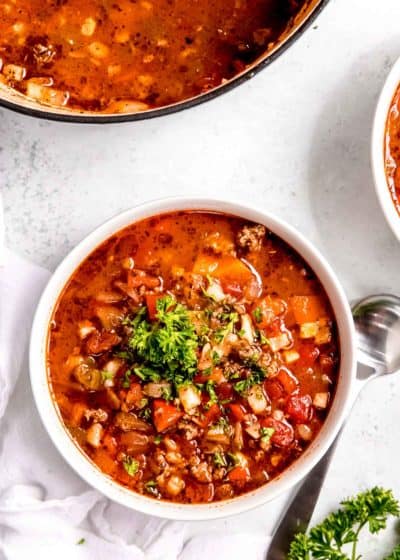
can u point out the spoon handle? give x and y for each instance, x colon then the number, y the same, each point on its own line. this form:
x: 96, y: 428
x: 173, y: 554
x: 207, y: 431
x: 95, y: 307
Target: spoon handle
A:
x: 298, y: 514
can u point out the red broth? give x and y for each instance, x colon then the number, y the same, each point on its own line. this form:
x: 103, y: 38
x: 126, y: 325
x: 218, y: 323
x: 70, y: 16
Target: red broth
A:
x: 193, y: 356
x: 131, y: 55
x: 392, y: 150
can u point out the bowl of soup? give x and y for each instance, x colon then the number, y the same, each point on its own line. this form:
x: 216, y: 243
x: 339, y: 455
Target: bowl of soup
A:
x: 385, y: 149
x: 192, y: 358
x: 113, y: 61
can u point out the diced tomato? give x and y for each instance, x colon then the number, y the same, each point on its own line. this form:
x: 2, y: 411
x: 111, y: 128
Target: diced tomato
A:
x: 151, y: 302
x: 165, y: 415
x: 307, y: 309
x: 135, y: 394
x: 238, y: 411
x: 232, y: 288
x: 211, y: 415
x: 308, y: 354
x: 283, y: 435
x: 110, y: 444
x: 224, y: 391
x: 239, y: 474
x: 273, y: 389
x: 299, y: 408
x: 288, y: 380
x: 269, y: 308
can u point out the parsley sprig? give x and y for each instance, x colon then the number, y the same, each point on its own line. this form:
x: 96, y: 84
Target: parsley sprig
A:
x: 337, y: 537
x: 166, y: 346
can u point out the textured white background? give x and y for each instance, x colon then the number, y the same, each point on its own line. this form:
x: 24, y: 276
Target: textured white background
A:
x: 294, y: 140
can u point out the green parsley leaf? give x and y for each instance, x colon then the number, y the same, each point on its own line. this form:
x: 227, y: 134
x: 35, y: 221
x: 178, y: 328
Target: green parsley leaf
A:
x: 210, y: 388
x: 81, y: 541
x: 395, y: 555
x: 151, y: 487
x: 130, y: 465
x: 157, y: 439
x: 266, y: 434
x: 220, y: 459
x: 257, y: 314
x: 167, y: 346
x: 105, y: 375
x: 336, y: 538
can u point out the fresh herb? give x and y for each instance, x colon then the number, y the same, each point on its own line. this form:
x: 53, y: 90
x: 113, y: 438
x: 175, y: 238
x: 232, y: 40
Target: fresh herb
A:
x: 395, y: 555
x: 81, y: 541
x: 220, y: 459
x: 130, y: 465
x: 337, y: 537
x: 262, y: 338
x: 215, y: 358
x: 151, y: 487
x: 145, y: 413
x: 157, y: 439
x: 257, y: 314
x: 166, y: 393
x: 147, y: 374
x: 257, y: 376
x: 223, y: 423
x: 266, y: 434
x: 167, y: 346
x: 126, y: 382
x: 105, y: 375
x: 241, y: 333
x: 229, y: 318
x: 210, y: 388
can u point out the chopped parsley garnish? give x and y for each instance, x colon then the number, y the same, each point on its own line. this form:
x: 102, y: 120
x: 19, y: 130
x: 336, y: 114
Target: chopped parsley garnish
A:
x: 151, y: 487
x: 126, y: 382
x: 145, y: 413
x: 130, y: 465
x: 338, y: 535
x: 81, y: 541
x: 220, y: 459
x: 106, y: 375
x: 215, y: 358
x: 210, y: 388
x: 266, y: 434
x: 257, y: 314
x: 166, y: 346
x: 157, y: 439
x: 256, y: 377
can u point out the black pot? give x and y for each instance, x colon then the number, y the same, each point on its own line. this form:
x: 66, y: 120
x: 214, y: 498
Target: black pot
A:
x: 18, y: 102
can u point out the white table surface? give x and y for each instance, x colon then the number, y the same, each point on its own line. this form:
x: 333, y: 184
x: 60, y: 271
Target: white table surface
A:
x: 294, y: 140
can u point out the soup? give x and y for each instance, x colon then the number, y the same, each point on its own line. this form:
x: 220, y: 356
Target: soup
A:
x: 131, y: 55
x: 392, y: 150
x: 193, y: 356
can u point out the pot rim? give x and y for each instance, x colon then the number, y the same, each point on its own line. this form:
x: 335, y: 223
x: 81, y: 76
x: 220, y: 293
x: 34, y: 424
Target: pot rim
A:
x: 81, y: 117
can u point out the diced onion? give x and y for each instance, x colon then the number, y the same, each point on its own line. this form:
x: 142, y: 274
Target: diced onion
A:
x: 94, y: 435
x: 321, y: 400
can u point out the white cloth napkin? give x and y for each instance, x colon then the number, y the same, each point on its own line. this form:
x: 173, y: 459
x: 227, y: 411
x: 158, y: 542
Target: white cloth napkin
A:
x: 46, y: 509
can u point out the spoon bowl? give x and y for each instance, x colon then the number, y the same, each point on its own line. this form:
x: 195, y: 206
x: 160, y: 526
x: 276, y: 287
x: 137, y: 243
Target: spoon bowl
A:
x: 377, y: 322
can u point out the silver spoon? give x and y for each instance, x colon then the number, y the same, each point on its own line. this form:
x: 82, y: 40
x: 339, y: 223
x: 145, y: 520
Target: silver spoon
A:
x: 377, y: 321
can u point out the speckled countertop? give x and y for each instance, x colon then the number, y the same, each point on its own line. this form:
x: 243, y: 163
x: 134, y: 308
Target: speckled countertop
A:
x: 294, y: 140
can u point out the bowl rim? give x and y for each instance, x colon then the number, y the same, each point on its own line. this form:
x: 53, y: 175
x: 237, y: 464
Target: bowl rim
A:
x: 80, y: 117
x: 80, y: 462
x: 392, y: 83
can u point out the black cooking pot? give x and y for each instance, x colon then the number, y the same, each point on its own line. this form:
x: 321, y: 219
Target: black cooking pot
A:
x: 18, y: 102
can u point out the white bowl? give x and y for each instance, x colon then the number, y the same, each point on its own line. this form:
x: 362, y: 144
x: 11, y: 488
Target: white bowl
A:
x: 378, y: 148
x: 86, y: 469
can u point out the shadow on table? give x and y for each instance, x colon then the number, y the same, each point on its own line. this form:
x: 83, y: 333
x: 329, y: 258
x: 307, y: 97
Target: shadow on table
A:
x: 342, y: 196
